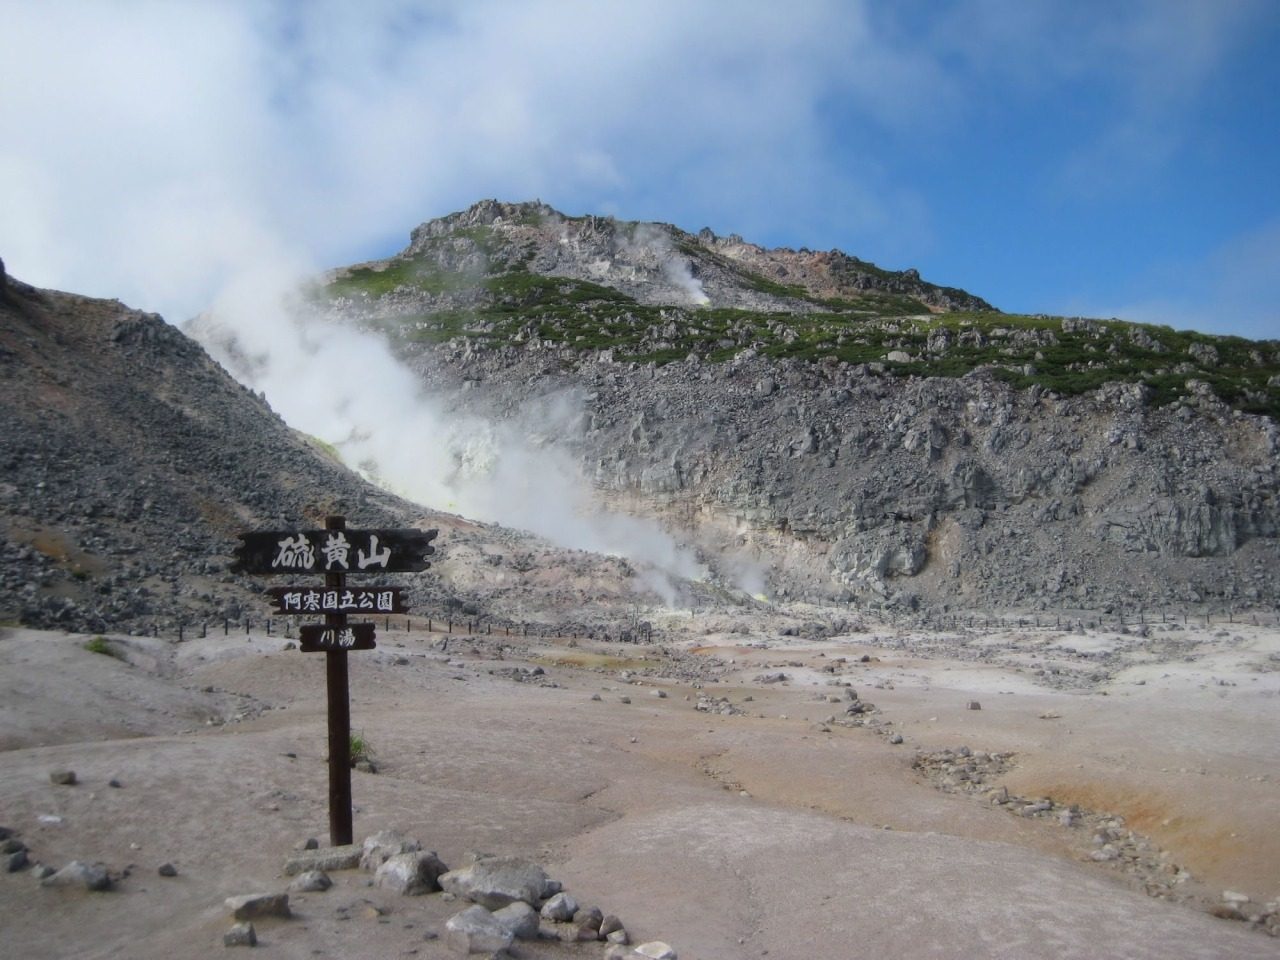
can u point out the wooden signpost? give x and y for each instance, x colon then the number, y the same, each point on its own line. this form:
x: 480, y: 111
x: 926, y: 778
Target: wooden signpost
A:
x: 336, y: 551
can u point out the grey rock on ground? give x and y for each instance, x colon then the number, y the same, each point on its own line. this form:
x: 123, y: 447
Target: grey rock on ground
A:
x: 520, y: 918
x: 253, y: 906
x: 240, y: 935
x: 326, y: 858
x: 411, y: 873
x: 382, y: 846
x: 311, y: 881
x: 476, y: 930
x: 90, y: 876
x: 494, y: 882
x: 560, y: 908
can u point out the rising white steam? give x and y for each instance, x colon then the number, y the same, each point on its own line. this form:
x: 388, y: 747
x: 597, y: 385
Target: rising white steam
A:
x: 346, y: 387
x: 678, y: 270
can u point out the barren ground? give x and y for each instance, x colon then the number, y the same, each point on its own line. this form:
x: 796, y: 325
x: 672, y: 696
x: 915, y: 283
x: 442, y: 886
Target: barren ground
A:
x: 767, y: 832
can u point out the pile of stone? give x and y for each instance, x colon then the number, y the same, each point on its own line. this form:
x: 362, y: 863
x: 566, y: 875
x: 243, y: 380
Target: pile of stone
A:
x: 510, y: 898
x: 717, y: 705
x: 857, y: 712
x: 963, y: 770
x: 15, y: 855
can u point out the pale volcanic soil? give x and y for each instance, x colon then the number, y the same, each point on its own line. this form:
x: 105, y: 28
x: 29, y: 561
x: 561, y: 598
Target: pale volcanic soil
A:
x: 779, y: 828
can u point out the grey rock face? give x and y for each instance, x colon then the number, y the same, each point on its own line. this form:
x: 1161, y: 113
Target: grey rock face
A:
x: 901, y: 492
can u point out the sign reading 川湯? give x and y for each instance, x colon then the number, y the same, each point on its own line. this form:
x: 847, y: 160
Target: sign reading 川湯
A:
x: 318, y: 638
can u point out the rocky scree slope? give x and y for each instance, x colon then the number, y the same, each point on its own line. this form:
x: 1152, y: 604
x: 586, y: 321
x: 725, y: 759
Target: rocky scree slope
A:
x: 129, y: 462
x: 857, y: 434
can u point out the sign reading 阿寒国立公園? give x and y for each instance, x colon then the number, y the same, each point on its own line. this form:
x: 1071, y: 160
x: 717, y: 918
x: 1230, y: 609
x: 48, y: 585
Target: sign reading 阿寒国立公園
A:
x: 334, y: 551
x: 304, y: 600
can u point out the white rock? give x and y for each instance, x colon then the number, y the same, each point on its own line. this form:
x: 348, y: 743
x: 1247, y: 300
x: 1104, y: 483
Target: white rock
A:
x: 411, y: 873
x: 656, y: 950
x: 384, y: 845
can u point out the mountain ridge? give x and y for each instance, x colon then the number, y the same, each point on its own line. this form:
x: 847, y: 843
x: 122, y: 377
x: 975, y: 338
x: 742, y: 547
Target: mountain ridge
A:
x: 876, y: 451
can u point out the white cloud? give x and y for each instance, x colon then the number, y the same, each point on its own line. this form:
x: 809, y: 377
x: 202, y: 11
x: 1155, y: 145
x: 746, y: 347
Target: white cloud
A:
x: 320, y: 127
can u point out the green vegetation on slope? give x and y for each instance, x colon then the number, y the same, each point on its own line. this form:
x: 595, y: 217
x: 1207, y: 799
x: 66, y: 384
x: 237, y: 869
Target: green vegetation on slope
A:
x: 1067, y: 356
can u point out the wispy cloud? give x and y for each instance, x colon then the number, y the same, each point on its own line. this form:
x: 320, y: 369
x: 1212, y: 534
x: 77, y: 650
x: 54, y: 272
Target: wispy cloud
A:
x: 175, y: 135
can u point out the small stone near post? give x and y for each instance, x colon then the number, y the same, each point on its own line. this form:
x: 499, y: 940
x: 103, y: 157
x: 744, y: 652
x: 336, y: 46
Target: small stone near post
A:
x: 63, y: 777
x: 167, y: 870
x: 241, y: 935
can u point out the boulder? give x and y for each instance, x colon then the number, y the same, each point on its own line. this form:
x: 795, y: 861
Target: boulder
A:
x: 494, y: 882
x: 384, y: 845
x: 411, y: 874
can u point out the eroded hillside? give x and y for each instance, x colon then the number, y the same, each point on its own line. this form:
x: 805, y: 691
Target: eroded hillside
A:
x: 848, y: 432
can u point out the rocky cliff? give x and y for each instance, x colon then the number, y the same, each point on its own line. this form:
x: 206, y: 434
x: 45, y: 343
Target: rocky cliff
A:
x: 838, y: 431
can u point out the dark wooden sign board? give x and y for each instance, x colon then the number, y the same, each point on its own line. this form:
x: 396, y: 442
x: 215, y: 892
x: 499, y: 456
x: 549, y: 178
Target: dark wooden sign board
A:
x: 334, y: 551
x: 318, y: 638
x: 306, y: 600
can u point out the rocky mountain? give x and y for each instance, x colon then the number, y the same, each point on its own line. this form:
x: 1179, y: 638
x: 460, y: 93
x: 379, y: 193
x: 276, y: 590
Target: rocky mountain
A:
x: 836, y: 431
x: 131, y: 461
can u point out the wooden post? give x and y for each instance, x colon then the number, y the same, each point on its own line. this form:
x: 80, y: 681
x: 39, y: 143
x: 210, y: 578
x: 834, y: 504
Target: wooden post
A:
x: 337, y: 686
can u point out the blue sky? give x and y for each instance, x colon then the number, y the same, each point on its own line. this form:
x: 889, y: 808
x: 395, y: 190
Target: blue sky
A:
x: 1105, y: 159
